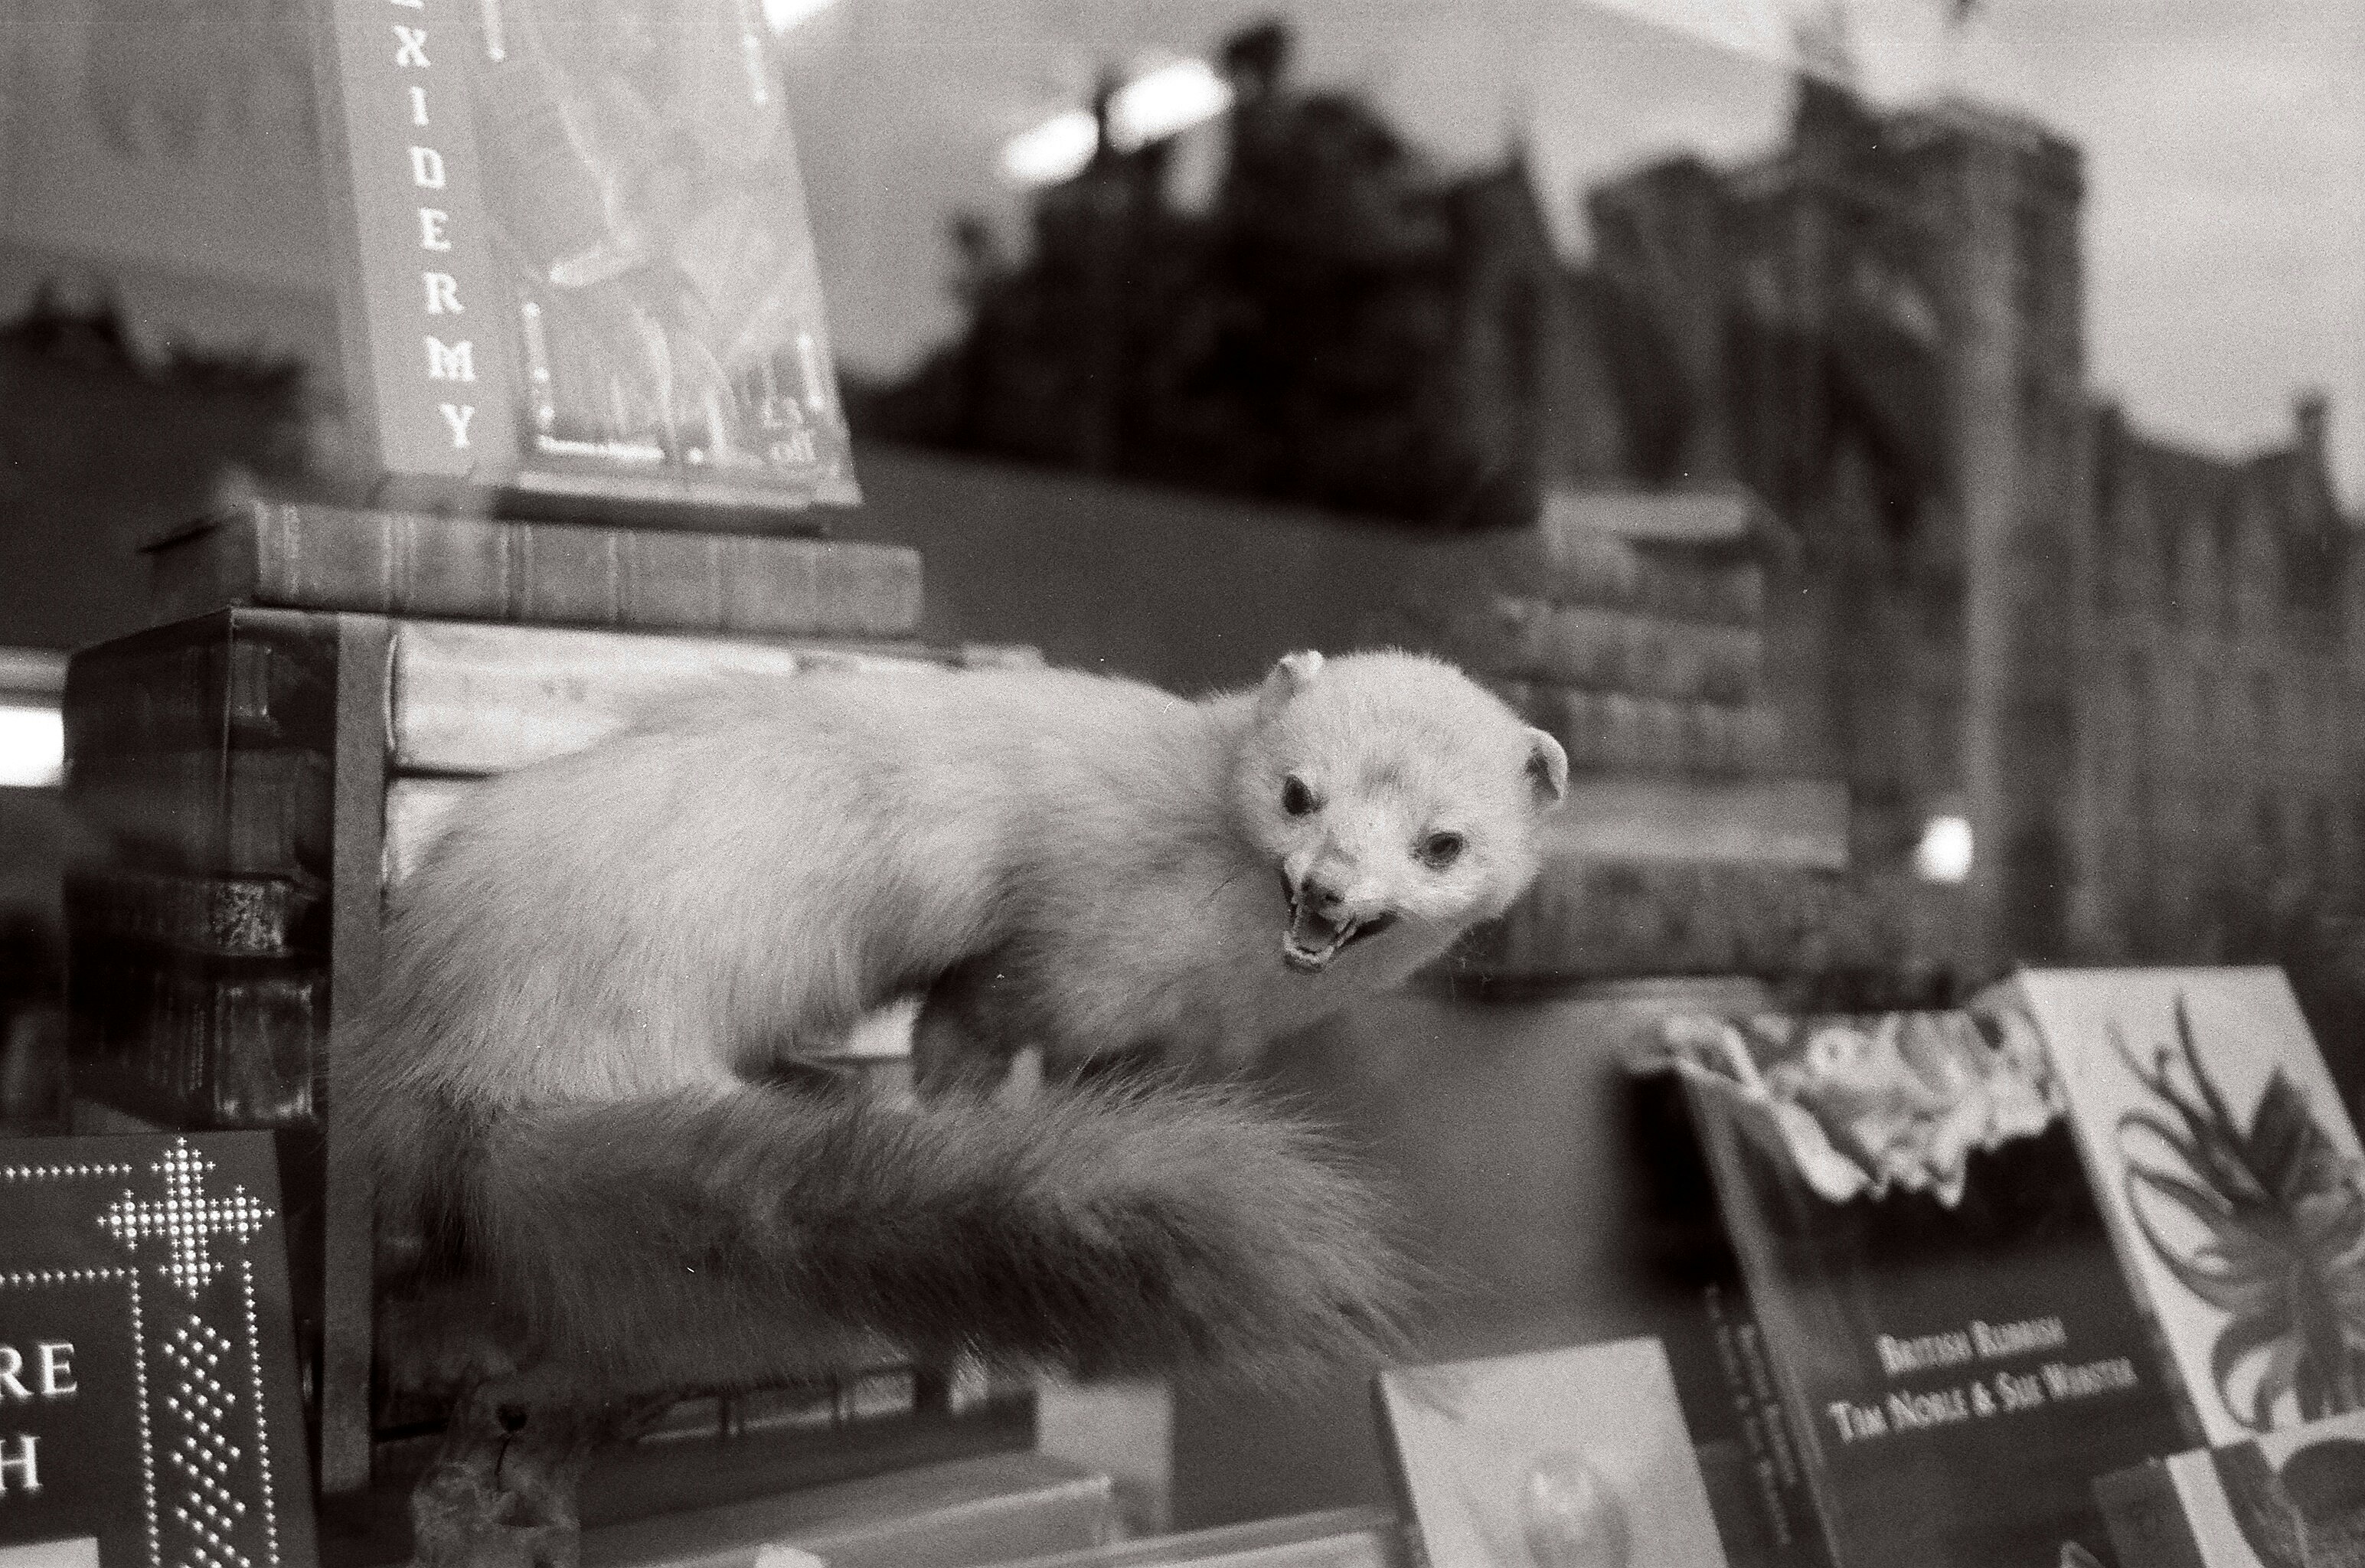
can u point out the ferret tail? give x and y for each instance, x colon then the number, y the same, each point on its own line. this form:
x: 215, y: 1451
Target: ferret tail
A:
x: 1092, y: 1231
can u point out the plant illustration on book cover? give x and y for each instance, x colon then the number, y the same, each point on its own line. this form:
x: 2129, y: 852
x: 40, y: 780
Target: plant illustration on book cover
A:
x: 583, y: 247
x: 2214, y: 1135
x: 2265, y: 1223
x: 1933, y: 1282
x: 1565, y: 1458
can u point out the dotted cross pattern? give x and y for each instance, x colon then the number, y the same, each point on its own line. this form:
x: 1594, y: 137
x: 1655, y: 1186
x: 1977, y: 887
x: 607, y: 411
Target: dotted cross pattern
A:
x: 185, y: 1217
x: 202, y: 1451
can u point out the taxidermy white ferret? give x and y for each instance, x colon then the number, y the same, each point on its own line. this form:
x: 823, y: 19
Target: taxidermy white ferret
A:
x: 594, y: 979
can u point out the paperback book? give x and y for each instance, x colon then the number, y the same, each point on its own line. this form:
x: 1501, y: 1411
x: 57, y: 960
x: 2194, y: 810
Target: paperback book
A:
x: 1927, y: 1281
x: 2230, y: 1174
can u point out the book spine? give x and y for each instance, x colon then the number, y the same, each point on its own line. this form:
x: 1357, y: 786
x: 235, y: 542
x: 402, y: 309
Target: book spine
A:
x: 1784, y: 1501
x: 1598, y: 920
x: 185, y: 1042
x: 210, y: 814
x: 1613, y: 573
x: 338, y: 559
x: 428, y: 352
x: 302, y: 554
x: 202, y: 757
x: 476, y: 700
x: 457, y: 567
x: 1612, y: 650
x: 243, y: 679
x: 569, y: 576
x: 683, y: 579
x: 227, y: 917
x: 1617, y: 732
x: 1758, y: 1486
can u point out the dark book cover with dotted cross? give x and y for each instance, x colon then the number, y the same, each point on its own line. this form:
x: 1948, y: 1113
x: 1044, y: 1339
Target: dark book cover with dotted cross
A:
x: 149, y: 1411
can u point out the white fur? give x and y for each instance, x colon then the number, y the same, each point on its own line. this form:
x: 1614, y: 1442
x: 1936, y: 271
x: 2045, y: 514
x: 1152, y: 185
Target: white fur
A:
x: 744, y: 878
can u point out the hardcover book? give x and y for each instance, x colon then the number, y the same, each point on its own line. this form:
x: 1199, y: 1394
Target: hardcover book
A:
x: 578, y: 256
x: 1643, y: 653
x: 146, y: 1361
x: 2230, y: 1173
x: 1596, y: 913
x: 1574, y: 1456
x: 310, y: 555
x: 2290, y: 1499
x: 203, y: 757
x: 1925, y: 1278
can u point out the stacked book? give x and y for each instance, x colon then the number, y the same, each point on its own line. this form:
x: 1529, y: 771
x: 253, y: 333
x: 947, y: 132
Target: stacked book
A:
x: 1629, y: 625
x: 326, y: 686
x: 1634, y: 628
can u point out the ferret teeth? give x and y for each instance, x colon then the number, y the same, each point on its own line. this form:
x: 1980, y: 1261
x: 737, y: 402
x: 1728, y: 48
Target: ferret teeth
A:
x: 1304, y: 959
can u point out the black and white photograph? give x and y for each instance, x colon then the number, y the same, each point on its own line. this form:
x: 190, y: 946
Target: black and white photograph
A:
x: 1256, y: 783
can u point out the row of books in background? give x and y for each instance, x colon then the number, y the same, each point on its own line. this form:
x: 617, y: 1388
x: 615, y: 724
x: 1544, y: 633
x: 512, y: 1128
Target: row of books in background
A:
x: 1640, y: 652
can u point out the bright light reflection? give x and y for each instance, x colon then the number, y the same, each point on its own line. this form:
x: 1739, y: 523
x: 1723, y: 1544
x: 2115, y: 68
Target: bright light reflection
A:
x: 1155, y: 105
x: 1170, y: 99
x: 32, y: 747
x: 1057, y: 150
x: 782, y: 15
x: 1945, y: 853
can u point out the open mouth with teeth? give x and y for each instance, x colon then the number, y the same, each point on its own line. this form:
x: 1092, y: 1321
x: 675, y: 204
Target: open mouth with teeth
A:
x: 1312, y: 939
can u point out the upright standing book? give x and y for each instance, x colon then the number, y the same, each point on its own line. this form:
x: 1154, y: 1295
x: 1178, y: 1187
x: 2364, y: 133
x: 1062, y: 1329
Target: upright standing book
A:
x: 2231, y: 1175
x: 1572, y: 1456
x: 578, y: 257
x: 1928, y: 1281
x: 147, y: 1372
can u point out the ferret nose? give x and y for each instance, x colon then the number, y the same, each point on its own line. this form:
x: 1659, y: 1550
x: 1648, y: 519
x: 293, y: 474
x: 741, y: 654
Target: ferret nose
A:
x: 1317, y: 895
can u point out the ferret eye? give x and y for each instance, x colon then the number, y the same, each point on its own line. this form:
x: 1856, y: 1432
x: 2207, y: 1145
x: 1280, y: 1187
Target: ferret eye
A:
x: 1296, y: 798
x: 1439, y: 850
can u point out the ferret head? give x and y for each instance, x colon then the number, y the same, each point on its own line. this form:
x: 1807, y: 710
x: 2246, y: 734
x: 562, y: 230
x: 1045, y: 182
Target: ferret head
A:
x: 1397, y: 800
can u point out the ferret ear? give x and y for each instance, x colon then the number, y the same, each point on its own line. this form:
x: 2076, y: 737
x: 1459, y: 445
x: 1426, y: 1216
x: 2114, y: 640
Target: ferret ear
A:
x: 1547, y: 767
x: 1290, y: 676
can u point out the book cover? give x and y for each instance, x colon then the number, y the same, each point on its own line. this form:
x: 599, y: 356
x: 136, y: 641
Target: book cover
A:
x: 1573, y: 1456
x: 147, y: 1368
x: 2290, y: 1499
x: 2230, y: 1173
x: 1929, y: 1279
x: 576, y: 251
